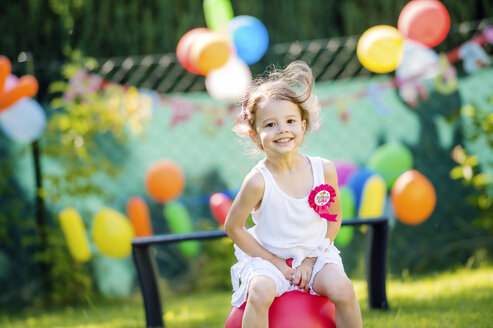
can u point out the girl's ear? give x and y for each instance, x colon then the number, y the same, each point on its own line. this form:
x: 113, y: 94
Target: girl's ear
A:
x: 253, y: 135
x: 303, y: 125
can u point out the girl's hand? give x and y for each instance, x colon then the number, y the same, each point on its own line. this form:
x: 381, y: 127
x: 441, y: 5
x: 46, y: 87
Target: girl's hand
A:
x: 282, y: 266
x: 304, y: 273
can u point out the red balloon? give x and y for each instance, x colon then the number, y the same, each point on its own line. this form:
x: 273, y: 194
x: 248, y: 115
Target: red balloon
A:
x: 425, y: 21
x: 5, y: 70
x: 184, y: 46
x: 26, y: 87
x: 220, y: 205
x: 292, y: 310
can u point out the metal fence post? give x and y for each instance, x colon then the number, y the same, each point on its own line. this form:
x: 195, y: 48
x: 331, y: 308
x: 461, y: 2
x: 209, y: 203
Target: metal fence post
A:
x: 376, y: 255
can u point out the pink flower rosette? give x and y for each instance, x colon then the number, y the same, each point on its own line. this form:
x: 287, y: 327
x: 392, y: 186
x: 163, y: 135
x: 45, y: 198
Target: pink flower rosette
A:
x: 320, y: 199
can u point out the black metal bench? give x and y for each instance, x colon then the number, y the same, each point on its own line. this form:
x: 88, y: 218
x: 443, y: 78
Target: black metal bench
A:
x: 376, y: 254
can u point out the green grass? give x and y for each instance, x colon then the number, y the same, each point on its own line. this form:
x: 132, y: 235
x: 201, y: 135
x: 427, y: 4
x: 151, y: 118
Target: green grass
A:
x: 463, y: 298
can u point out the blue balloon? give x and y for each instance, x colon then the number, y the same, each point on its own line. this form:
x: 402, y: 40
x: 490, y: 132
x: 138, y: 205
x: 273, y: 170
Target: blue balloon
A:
x: 250, y: 38
x: 357, y: 182
x: 24, y: 121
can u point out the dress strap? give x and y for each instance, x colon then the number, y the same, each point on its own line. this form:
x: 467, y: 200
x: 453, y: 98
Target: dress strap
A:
x: 318, y: 170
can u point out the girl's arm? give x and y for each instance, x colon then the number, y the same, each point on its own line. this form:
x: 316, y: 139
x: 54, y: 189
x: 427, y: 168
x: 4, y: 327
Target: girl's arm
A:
x: 249, y: 197
x: 330, y: 175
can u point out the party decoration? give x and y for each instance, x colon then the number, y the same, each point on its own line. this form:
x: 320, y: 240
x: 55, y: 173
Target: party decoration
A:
x: 112, y: 233
x: 391, y: 160
x: 345, y: 234
x: 446, y: 82
x: 250, y: 38
x: 164, y: 181
x: 209, y: 51
x: 24, y: 121
x: 373, y: 198
x: 344, y: 169
x: 229, y: 82
x: 217, y: 14
x: 179, y: 221
x: 357, y: 182
x: 425, y: 21
x: 27, y: 85
x: 320, y: 199
x: 379, y: 49
x: 292, y: 309
x: 473, y: 56
x: 220, y: 204
x: 74, y: 232
x: 184, y: 46
x: 413, y: 198
x: 138, y: 213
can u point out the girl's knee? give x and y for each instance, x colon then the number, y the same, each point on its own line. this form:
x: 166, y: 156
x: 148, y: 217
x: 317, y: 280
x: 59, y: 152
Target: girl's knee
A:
x: 261, y: 293
x: 342, y: 292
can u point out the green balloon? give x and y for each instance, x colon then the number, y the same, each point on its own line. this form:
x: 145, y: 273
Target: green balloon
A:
x: 179, y: 222
x: 347, y: 202
x: 217, y: 14
x: 391, y: 160
x: 344, y: 236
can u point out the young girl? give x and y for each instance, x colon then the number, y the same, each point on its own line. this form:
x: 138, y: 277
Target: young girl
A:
x: 294, y: 202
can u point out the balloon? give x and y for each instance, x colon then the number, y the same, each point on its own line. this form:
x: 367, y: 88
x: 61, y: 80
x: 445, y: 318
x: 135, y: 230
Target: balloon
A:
x: 379, y: 49
x: 418, y: 62
x: 373, y: 198
x: 413, y: 197
x: 345, y: 234
x: 356, y: 183
x: 179, y: 222
x: 220, y: 204
x: 250, y: 38
x: 209, y: 51
x: 27, y: 86
x: 425, y: 21
x: 229, y: 82
x: 391, y: 160
x: 75, y: 234
x: 292, y: 309
x: 164, y: 181
x: 112, y: 233
x: 138, y: 213
x: 184, y: 46
x: 344, y: 170
x: 5, y: 70
x: 217, y: 14
x: 473, y: 57
x: 24, y: 121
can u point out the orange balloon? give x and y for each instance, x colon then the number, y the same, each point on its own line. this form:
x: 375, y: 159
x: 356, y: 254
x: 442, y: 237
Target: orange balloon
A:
x: 138, y: 212
x: 5, y: 70
x: 209, y: 51
x: 165, y: 181
x: 184, y: 47
x: 413, y: 197
x: 26, y: 87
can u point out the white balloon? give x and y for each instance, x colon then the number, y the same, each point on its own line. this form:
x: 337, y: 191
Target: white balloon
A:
x: 24, y: 121
x: 229, y: 82
x: 418, y: 61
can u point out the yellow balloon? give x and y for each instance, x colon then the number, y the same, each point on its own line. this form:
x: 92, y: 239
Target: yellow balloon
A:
x: 379, y: 49
x: 373, y: 198
x: 75, y: 234
x: 112, y: 233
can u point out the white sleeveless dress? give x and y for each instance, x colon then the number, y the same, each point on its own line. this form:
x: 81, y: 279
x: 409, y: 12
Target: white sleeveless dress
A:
x: 288, y: 228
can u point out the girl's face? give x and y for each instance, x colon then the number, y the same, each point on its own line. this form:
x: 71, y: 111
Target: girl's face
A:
x: 279, y: 127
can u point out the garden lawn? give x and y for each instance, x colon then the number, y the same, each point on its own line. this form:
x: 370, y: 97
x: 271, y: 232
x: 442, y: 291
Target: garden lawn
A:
x: 463, y: 298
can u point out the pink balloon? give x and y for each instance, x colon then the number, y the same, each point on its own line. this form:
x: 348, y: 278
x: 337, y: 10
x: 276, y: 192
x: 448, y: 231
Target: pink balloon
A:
x: 344, y: 170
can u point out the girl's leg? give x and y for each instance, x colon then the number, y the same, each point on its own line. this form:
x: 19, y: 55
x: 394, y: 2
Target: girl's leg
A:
x: 332, y: 282
x: 261, y: 294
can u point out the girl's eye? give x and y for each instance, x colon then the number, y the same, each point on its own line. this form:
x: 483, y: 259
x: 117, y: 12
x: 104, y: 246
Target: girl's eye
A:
x: 269, y: 125
x: 291, y: 121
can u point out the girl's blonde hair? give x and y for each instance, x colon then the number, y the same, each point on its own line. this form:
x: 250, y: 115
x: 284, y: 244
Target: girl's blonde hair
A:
x: 294, y: 84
